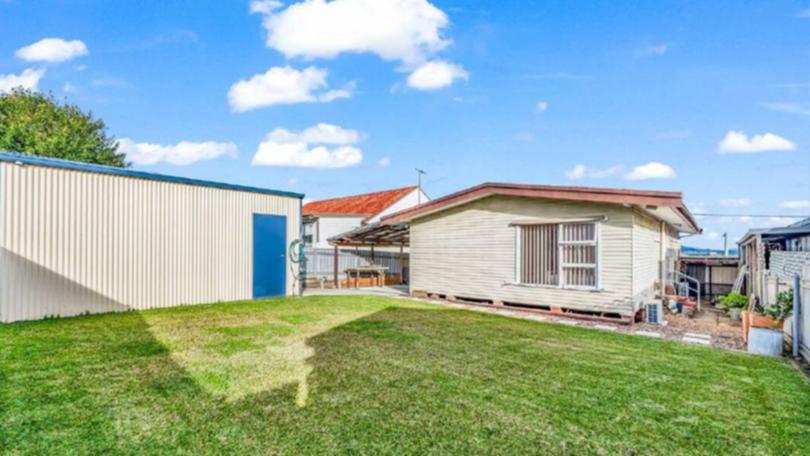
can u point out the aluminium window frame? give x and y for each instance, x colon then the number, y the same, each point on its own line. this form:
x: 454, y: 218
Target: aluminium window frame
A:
x: 596, y: 242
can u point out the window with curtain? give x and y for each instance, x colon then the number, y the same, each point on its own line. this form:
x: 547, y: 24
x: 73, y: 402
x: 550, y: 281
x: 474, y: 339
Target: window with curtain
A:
x: 564, y: 254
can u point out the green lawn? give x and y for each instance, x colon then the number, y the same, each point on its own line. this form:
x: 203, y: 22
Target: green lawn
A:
x: 371, y: 375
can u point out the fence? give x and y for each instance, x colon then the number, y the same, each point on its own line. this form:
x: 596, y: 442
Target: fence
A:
x: 321, y: 262
x: 780, y: 279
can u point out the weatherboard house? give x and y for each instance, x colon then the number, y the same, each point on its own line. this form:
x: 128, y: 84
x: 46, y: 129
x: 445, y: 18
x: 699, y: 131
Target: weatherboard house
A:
x: 585, y: 251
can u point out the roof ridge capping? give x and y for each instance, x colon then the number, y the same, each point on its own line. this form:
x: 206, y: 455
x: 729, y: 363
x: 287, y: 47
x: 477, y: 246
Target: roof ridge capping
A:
x: 591, y: 194
x: 49, y: 162
x: 574, y: 188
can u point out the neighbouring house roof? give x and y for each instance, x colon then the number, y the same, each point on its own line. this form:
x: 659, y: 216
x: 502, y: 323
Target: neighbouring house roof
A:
x: 126, y: 172
x: 367, y: 204
x: 794, y: 229
x: 667, y: 206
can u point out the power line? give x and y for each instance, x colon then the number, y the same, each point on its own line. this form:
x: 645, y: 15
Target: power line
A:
x: 710, y: 214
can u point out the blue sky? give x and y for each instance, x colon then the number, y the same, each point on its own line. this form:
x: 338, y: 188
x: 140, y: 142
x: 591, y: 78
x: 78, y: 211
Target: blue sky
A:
x: 708, y: 98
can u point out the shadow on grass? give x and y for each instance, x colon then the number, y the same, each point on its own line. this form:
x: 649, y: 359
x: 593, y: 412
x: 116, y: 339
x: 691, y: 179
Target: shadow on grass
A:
x: 399, y: 380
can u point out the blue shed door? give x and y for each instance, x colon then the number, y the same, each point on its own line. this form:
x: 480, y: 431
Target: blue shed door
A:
x: 269, y: 255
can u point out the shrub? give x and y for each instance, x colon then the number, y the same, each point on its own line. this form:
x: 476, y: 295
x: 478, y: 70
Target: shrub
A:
x: 782, y: 308
x: 734, y: 301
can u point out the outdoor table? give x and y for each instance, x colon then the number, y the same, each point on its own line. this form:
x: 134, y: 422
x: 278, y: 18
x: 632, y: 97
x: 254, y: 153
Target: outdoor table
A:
x: 376, y: 271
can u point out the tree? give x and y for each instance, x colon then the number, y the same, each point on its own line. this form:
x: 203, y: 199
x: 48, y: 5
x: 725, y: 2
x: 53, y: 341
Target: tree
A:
x: 35, y: 124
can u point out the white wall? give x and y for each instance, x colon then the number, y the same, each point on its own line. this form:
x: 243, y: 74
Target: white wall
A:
x: 470, y: 251
x: 75, y: 242
x: 329, y: 226
x: 646, y: 258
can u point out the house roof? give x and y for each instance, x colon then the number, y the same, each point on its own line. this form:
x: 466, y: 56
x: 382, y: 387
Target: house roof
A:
x: 794, y: 229
x: 366, y: 204
x: 668, y: 206
x: 125, y: 172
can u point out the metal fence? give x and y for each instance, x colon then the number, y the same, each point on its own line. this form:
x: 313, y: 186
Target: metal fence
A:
x: 321, y: 262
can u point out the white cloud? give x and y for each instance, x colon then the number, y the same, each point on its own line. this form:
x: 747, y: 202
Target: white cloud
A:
x: 403, y: 30
x: 282, y: 147
x: 735, y: 202
x: 28, y: 79
x: 321, y: 133
x: 284, y: 85
x: 542, y: 106
x: 790, y: 108
x: 384, y: 162
x: 736, y: 142
x: 651, y: 170
x: 583, y: 172
x: 712, y: 235
x: 435, y: 75
x: 292, y: 181
x: 69, y: 88
x: 654, y: 49
x: 525, y: 136
x: 52, y: 50
x: 407, y: 31
x: 264, y: 6
x: 182, y: 153
x: 795, y: 204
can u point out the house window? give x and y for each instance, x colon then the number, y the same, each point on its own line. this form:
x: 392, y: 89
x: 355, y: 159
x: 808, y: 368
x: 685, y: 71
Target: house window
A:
x: 559, y: 254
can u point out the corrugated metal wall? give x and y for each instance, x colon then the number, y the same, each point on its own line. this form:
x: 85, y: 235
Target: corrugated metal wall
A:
x: 73, y: 242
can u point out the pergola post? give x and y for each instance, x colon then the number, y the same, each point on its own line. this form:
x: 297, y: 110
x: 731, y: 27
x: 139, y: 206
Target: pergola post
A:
x: 337, y: 262
x: 401, y: 264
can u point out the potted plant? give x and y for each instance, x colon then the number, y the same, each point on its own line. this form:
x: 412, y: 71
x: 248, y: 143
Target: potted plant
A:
x: 773, y: 316
x: 734, y: 303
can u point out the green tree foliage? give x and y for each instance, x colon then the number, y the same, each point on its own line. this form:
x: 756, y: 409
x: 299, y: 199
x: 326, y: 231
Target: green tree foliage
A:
x: 35, y: 124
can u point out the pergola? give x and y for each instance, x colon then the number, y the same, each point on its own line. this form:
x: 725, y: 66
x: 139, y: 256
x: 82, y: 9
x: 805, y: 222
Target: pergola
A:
x: 373, y: 235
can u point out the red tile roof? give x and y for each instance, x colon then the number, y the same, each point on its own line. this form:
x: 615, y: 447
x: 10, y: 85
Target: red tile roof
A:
x: 367, y: 204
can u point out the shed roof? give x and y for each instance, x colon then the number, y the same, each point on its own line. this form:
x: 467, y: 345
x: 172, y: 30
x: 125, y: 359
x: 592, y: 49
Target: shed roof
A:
x: 366, y: 204
x: 125, y: 172
x: 667, y: 206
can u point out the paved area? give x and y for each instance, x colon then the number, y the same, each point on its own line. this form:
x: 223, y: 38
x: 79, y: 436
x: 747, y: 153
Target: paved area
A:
x: 391, y: 290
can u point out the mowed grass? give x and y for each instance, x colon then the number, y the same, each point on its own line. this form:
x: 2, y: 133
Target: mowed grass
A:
x: 374, y: 375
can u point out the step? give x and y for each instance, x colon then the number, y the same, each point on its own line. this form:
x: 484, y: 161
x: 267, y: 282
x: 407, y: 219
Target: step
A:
x: 652, y: 334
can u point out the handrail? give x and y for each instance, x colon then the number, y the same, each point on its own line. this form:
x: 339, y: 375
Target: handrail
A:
x: 695, y: 281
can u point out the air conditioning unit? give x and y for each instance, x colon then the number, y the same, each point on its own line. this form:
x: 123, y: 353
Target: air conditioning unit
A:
x: 655, y: 313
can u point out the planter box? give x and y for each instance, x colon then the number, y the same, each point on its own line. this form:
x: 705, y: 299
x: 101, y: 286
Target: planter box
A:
x: 752, y: 320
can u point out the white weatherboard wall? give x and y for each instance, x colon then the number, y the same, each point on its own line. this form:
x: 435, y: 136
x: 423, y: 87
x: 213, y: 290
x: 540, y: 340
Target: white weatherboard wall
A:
x: 469, y: 251
x: 74, y: 242
x: 646, y: 258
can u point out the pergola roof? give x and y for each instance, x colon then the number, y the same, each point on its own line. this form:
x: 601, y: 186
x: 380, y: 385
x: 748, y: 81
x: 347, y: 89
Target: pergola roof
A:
x: 376, y: 234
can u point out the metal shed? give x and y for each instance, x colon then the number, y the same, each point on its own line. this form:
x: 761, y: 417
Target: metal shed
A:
x: 77, y: 238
